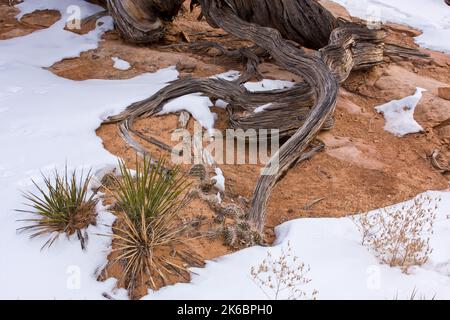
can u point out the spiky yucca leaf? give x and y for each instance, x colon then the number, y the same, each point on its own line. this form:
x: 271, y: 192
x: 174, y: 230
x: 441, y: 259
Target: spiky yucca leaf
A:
x: 152, y: 190
x: 135, y: 245
x: 62, y: 206
x: 150, y: 200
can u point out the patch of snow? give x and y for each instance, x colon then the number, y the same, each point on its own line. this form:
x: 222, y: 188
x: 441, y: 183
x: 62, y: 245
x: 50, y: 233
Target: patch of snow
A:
x: 399, y: 114
x: 199, y: 106
x: 47, y: 121
x: 65, y: 7
x: 341, y: 268
x: 45, y: 47
x: 120, y: 64
x: 229, y: 75
x: 432, y: 17
x: 262, y: 108
x: 196, y: 104
x: 221, y: 104
x: 219, y: 179
x: 267, y: 85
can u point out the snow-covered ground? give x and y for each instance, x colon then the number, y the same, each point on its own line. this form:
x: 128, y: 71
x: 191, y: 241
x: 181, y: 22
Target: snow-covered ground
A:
x: 341, y: 268
x: 432, y: 17
x: 47, y: 121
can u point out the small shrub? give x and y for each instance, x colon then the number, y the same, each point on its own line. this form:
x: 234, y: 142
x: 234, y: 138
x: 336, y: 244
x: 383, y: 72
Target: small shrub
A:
x: 283, y: 275
x: 63, y: 206
x: 400, y: 237
x: 150, y: 201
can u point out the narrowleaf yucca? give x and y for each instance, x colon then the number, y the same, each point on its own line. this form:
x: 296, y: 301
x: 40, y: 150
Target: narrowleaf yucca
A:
x: 149, y: 199
x: 151, y: 190
x: 63, y: 205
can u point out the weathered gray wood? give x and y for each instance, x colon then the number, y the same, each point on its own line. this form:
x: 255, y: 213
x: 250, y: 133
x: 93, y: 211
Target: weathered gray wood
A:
x: 305, y: 22
x: 299, y: 112
x: 142, y: 21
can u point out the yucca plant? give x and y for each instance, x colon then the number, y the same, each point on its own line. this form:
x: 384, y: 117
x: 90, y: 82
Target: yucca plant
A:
x: 149, y: 200
x: 151, y: 189
x: 62, y: 206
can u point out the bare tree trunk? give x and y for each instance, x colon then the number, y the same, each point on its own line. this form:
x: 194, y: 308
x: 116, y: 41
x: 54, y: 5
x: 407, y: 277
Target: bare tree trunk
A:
x: 142, y: 21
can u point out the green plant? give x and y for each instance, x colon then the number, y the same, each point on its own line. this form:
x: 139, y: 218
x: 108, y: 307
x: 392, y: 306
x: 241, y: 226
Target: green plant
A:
x: 150, y: 201
x: 62, y: 206
x: 151, y: 190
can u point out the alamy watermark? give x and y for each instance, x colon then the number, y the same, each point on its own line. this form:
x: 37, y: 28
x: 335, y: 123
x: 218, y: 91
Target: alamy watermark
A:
x: 373, y: 16
x: 73, y: 21
x: 231, y: 146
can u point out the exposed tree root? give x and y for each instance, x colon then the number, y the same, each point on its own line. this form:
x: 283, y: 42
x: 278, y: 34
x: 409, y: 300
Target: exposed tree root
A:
x: 299, y: 112
x: 304, y: 22
x: 251, y: 56
x: 438, y: 163
x: 391, y: 49
x: 142, y: 21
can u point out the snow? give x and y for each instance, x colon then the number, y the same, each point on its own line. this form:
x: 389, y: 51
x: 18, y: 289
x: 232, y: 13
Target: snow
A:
x: 219, y: 179
x: 230, y: 75
x: 341, y: 268
x: 196, y: 104
x: 262, y: 108
x: 399, y: 114
x: 266, y: 85
x: 432, y: 17
x: 120, y: 64
x: 46, y: 121
x: 221, y: 104
x: 199, y: 106
x: 59, y: 43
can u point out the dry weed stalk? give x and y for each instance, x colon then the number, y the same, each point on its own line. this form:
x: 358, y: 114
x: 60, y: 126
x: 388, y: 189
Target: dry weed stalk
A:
x: 286, y: 273
x: 400, y: 237
x: 416, y: 296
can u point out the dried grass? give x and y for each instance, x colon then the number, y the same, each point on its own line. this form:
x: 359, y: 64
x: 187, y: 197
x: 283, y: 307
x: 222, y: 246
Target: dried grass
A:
x: 400, y: 237
x: 284, y: 275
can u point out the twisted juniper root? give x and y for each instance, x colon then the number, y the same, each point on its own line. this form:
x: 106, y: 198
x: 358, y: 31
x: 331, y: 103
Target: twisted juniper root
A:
x: 321, y: 73
x: 250, y: 55
x: 142, y: 21
x: 299, y: 112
